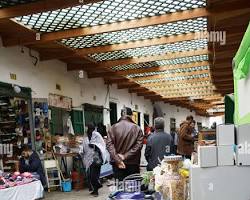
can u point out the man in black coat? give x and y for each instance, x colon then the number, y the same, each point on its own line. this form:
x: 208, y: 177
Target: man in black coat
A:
x: 30, y: 162
x: 158, y: 145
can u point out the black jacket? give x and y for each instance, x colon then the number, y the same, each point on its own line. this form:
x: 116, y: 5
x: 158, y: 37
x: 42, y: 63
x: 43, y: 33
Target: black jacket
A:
x: 35, y: 165
x: 158, y: 146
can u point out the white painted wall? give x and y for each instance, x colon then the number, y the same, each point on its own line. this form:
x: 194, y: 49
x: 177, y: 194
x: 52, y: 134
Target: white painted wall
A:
x: 42, y: 79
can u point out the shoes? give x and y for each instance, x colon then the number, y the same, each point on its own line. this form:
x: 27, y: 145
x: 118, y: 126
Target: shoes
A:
x: 95, y: 193
x: 100, y: 186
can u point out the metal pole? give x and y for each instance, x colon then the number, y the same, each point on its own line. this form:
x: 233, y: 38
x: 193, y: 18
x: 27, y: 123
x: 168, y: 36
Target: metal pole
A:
x: 31, y: 122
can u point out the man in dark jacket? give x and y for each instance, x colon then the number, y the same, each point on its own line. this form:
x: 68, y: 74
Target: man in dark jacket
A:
x: 124, y: 143
x: 186, y: 140
x: 30, y: 162
x: 158, y: 146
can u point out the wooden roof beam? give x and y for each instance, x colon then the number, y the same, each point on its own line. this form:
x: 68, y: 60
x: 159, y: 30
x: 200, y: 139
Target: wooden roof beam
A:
x: 175, y: 82
x: 148, y: 21
x: 126, y: 61
x: 147, y: 93
x: 169, y: 81
x: 76, y: 66
x: 127, y: 85
x: 171, y: 75
x: 122, y: 46
x: 139, y: 89
x: 150, y: 69
x: 186, y: 89
x: 118, y: 26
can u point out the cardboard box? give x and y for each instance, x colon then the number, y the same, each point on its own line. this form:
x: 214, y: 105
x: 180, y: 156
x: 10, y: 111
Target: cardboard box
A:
x: 207, y: 156
x: 225, y: 135
x: 225, y: 155
x: 243, y: 145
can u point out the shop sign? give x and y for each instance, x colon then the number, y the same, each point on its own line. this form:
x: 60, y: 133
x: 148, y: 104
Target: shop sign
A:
x: 60, y: 101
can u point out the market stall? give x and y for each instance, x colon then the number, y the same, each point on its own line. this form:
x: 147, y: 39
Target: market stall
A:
x: 20, y: 186
x: 16, y: 123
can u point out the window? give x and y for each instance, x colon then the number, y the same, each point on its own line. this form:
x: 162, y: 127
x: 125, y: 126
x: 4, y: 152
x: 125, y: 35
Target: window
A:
x: 77, y: 121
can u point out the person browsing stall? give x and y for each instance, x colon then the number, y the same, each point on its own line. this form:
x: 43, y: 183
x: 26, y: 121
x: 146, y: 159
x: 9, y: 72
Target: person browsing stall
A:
x: 94, y: 155
x: 186, y: 140
x: 30, y: 162
x: 124, y: 143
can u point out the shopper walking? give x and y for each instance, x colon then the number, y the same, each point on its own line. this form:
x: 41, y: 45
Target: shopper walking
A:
x: 158, y: 145
x: 94, y: 155
x: 186, y: 140
x: 175, y: 139
x: 124, y: 143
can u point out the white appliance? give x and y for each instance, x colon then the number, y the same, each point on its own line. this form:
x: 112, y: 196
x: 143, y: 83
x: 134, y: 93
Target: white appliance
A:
x: 220, y: 183
x: 225, y: 134
x: 207, y: 156
x: 243, y: 145
x: 225, y: 155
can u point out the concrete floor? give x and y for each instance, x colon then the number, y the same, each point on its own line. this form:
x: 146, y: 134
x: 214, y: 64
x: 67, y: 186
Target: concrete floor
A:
x: 78, y: 195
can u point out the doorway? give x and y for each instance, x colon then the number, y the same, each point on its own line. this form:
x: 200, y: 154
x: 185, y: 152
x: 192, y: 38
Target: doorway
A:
x: 113, y: 113
x: 146, y: 120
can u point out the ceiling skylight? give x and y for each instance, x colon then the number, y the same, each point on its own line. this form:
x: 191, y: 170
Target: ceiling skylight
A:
x: 105, y: 12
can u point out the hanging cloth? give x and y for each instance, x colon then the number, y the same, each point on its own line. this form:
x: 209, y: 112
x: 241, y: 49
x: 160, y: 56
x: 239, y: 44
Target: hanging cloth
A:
x: 70, y: 126
x: 241, y: 61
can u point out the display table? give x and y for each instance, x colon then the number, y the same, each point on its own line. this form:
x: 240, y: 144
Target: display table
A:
x: 64, y: 163
x: 30, y: 191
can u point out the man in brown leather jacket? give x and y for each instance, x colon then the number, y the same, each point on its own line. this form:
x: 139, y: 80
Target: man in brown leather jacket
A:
x: 186, y: 140
x: 124, y: 143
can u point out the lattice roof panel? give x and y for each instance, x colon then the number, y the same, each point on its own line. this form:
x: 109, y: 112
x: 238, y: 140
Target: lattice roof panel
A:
x: 149, y: 32
x: 105, y: 12
x: 172, y: 71
x: 151, y: 50
x: 181, y: 85
x: 9, y: 3
x: 175, y: 61
x: 177, y: 78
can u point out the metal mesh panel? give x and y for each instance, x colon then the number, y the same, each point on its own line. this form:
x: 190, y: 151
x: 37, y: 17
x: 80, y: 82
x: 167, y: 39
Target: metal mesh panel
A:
x: 175, y: 61
x: 151, y: 50
x: 181, y: 85
x: 105, y: 12
x: 173, y: 71
x: 9, y: 3
x: 149, y: 32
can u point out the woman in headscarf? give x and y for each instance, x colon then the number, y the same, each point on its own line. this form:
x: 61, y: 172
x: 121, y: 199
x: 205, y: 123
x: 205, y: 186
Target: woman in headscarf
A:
x: 91, y: 144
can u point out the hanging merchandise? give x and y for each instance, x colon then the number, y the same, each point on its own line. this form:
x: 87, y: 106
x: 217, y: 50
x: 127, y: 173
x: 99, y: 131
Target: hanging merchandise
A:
x: 40, y: 112
x: 14, y: 129
x: 70, y: 126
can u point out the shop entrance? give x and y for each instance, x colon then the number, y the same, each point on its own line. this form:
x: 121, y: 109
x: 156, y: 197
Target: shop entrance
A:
x: 113, y: 113
x: 16, y: 123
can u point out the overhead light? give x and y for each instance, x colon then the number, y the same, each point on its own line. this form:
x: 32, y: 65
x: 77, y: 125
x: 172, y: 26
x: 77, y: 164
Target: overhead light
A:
x: 16, y: 88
